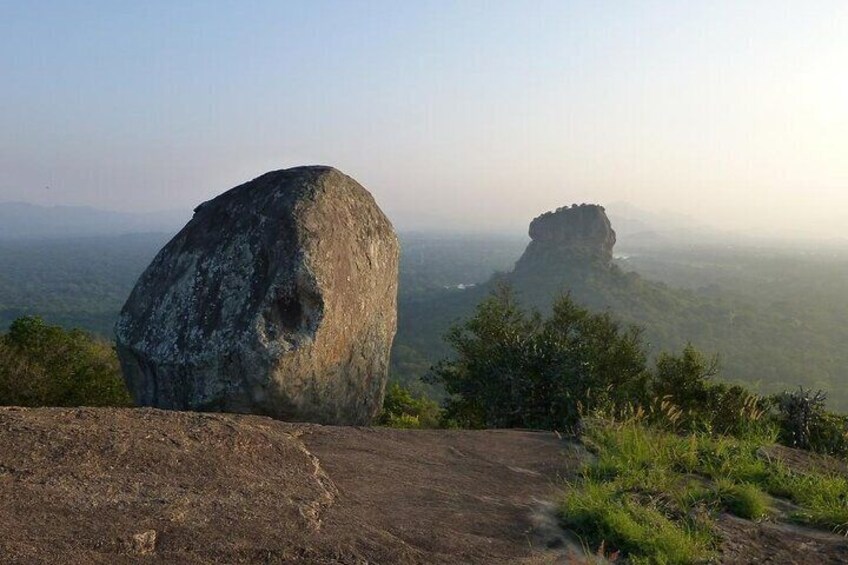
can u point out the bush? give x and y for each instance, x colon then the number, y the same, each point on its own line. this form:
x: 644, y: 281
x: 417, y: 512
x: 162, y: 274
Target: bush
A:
x: 403, y: 410
x: 798, y: 412
x: 690, y: 401
x: 829, y: 434
x: 514, y: 370
x: 685, y: 377
x: 44, y: 365
x: 804, y: 423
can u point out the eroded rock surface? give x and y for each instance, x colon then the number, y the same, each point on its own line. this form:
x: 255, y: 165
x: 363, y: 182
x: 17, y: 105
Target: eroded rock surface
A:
x: 579, y: 231
x: 278, y: 298
x: 117, y: 486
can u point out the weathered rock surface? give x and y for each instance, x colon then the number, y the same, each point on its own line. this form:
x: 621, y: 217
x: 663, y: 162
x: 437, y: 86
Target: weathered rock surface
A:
x: 116, y: 486
x: 278, y: 298
x: 579, y: 231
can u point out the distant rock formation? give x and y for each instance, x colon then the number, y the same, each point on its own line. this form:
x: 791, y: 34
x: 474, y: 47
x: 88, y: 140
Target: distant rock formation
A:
x: 278, y: 298
x: 570, y: 233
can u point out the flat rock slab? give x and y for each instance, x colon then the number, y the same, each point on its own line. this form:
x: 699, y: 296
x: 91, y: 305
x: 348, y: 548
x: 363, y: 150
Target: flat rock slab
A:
x: 121, y: 485
x: 780, y: 544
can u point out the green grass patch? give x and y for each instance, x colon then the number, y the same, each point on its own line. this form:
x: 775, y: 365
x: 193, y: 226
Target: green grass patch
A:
x: 650, y: 493
x: 823, y: 498
x: 602, y: 513
x: 744, y: 500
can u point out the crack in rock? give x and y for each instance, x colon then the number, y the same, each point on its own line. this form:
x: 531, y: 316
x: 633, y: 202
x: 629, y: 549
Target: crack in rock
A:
x: 312, y: 511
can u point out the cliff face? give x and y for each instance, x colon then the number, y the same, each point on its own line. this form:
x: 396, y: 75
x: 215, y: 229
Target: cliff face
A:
x: 579, y: 232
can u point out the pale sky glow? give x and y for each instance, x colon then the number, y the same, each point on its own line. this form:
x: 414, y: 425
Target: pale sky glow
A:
x: 454, y: 114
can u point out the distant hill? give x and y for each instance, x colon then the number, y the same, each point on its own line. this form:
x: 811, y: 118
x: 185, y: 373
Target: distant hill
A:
x: 20, y: 220
x: 777, y: 321
x: 638, y: 228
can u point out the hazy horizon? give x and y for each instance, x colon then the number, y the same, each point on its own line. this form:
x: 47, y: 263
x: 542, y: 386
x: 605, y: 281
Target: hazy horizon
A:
x: 468, y: 116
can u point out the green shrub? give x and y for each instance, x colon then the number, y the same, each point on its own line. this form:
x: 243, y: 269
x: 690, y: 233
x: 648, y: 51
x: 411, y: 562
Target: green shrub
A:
x: 805, y: 424
x: 829, y: 434
x: 403, y: 410
x: 690, y: 401
x: 513, y: 369
x: 742, y: 499
x: 44, y: 365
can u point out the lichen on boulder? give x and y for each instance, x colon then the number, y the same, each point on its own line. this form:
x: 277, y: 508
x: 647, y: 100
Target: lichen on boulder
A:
x: 278, y: 298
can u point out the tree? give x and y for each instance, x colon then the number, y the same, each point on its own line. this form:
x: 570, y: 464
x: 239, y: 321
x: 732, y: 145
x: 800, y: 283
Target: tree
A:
x: 684, y: 377
x: 682, y: 385
x: 513, y: 369
x: 403, y: 410
x: 44, y: 365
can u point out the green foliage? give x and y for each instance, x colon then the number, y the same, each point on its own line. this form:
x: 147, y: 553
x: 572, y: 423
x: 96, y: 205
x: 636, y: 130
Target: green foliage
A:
x: 804, y: 423
x: 671, y: 483
x: 689, y: 400
x: 403, y: 410
x: 603, y: 515
x: 512, y: 369
x: 799, y: 412
x: 742, y: 499
x: 76, y: 283
x: 777, y: 318
x: 44, y: 365
x: 829, y: 434
x: 685, y: 378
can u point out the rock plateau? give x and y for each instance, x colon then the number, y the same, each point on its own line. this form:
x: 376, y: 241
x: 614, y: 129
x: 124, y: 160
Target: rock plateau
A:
x: 567, y: 234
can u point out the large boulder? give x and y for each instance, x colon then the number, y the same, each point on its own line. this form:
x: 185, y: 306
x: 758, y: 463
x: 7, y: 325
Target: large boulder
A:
x: 571, y: 233
x: 278, y: 298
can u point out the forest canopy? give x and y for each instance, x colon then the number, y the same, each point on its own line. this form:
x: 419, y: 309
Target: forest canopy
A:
x: 44, y: 365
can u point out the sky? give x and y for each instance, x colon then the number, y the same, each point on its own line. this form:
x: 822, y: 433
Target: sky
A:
x: 463, y: 115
